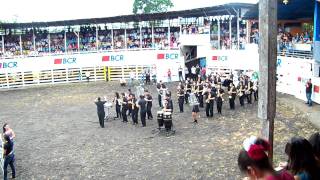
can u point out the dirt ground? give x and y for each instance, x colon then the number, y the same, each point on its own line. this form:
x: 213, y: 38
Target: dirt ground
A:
x: 58, y: 137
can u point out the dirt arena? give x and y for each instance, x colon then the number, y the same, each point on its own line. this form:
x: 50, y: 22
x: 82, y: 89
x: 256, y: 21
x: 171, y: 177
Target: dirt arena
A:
x: 58, y: 137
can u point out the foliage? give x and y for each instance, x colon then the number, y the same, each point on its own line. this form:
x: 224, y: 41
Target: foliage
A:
x: 151, y: 6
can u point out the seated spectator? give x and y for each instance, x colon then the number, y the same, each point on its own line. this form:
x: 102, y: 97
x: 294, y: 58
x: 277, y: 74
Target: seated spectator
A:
x: 254, y: 162
x: 301, y: 160
x: 315, y: 143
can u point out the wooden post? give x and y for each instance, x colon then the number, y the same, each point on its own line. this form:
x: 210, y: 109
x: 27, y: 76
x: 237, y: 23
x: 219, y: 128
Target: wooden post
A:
x: 267, y: 68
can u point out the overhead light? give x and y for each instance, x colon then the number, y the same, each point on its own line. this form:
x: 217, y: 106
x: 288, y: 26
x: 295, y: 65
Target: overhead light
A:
x: 285, y: 2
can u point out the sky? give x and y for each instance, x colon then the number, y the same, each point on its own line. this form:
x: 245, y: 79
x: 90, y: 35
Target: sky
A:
x: 43, y: 10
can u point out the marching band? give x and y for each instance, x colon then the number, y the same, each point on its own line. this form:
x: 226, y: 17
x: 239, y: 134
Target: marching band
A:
x: 203, y: 93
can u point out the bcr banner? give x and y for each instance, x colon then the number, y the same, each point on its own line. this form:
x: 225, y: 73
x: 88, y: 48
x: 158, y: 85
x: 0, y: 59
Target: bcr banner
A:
x: 121, y: 58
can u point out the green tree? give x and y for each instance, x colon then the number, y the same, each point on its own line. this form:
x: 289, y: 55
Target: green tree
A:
x: 151, y: 6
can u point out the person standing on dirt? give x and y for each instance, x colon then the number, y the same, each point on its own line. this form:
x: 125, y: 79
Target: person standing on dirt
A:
x: 8, y: 154
x: 100, y: 110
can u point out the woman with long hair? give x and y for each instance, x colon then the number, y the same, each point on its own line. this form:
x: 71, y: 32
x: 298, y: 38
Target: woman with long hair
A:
x: 254, y: 162
x: 315, y: 143
x: 116, y: 101
x: 301, y: 160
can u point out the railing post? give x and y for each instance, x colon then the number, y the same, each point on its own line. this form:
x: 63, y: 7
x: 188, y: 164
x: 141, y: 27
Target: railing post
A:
x: 7, y: 78
x: 95, y: 73
x: 67, y: 74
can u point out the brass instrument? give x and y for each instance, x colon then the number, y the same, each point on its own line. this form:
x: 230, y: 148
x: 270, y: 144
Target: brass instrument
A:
x: 208, y: 98
x: 240, y: 93
x: 220, y: 94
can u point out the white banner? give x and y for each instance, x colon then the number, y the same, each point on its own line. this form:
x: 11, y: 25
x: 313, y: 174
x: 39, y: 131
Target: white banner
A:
x: 164, y: 58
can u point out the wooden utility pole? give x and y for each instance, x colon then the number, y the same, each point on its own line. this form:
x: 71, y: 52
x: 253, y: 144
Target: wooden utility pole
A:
x: 267, y: 67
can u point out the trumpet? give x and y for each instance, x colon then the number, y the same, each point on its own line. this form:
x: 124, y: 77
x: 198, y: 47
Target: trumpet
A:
x: 208, y: 98
x: 240, y: 93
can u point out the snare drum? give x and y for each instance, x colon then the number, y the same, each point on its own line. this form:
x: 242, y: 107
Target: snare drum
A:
x: 160, y: 114
x: 160, y: 118
x: 167, y: 119
x: 167, y: 116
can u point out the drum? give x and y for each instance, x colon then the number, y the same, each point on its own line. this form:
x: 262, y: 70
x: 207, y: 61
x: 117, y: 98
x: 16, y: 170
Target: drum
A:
x: 167, y: 119
x: 167, y: 115
x: 160, y: 118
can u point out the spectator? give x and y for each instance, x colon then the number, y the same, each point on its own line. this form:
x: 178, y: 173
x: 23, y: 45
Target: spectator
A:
x: 9, y: 159
x: 254, y: 162
x: 301, y: 160
x: 169, y: 75
x: 315, y: 143
x: 309, y: 92
x: 8, y: 131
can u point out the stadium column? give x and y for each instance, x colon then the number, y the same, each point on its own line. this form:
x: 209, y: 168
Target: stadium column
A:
x: 112, y: 40
x: 78, y: 37
x: 169, y: 39
x: 20, y: 44
x: 49, y: 42
x: 97, y: 38
x: 65, y: 41
x: 140, y: 35
x: 152, y: 34
x: 267, y: 67
x: 248, y: 30
x: 230, y: 31
x: 316, y: 35
x: 2, y: 44
x: 125, y: 37
x: 34, y: 40
x: 238, y: 28
x: 218, y: 33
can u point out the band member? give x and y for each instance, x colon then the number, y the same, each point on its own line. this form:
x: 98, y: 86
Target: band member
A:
x: 100, y: 110
x: 135, y: 109
x: 249, y: 91
x: 143, y: 110
x: 180, y: 98
x: 232, y: 96
x: 148, y: 80
x: 167, y: 106
x: 149, y: 104
x: 195, y: 112
x: 241, y: 91
x: 188, y: 91
x: 124, y: 104
x: 129, y: 101
x: 160, y: 92
x: 200, y: 94
x: 169, y: 99
x: 255, y: 90
x: 116, y: 101
x: 210, y: 102
x: 180, y: 74
x: 219, y: 98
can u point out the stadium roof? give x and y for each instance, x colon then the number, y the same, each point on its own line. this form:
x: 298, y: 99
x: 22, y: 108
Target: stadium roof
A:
x: 295, y: 9
x: 226, y: 9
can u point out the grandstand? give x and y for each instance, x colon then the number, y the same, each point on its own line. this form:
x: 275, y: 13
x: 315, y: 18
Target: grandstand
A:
x: 109, y: 48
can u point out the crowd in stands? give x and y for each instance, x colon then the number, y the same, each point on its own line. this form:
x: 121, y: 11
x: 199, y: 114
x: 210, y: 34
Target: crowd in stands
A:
x: 36, y: 42
x: 303, y: 159
x: 286, y: 40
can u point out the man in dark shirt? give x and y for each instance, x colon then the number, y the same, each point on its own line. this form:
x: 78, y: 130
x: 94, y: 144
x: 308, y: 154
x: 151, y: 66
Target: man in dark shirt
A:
x: 149, y: 104
x: 8, y: 157
x: 309, y: 92
x: 100, y: 110
x: 143, y: 110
